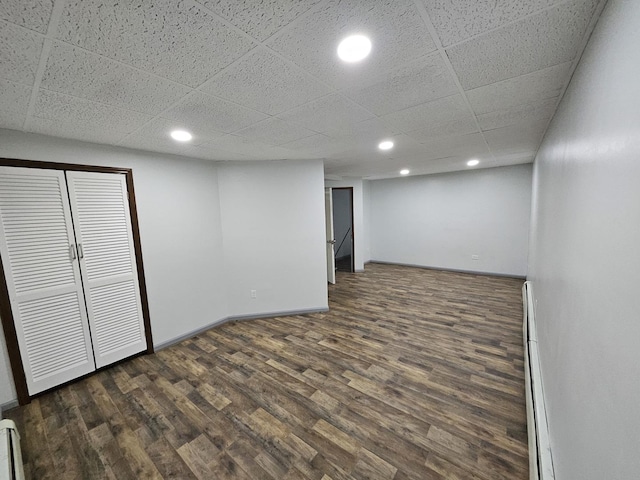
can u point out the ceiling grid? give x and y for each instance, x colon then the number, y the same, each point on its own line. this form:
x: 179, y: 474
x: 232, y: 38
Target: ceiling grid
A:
x: 446, y: 80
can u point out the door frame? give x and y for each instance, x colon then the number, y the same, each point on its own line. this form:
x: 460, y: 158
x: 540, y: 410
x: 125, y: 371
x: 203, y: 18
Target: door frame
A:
x: 6, y: 313
x: 353, y: 234
x: 329, y: 236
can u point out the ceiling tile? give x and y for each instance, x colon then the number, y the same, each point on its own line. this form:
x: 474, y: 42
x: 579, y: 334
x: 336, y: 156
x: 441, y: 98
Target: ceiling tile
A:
x: 14, y: 102
x: 319, y: 145
x: 397, y: 32
x: 225, y: 151
x: 252, y: 150
x: 421, y: 81
x: 274, y: 131
x: 470, y: 146
x: 14, y: 97
x: 19, y: 53
x: 548, y: 38
x: 539, y: 111
x: 522, y: 138
x: 373, y: 131
x: 457, y: 20
x: 12, y: 120
x: 212, y: 113
x: 265, y: 82
x: 390, y: 167
x: 32, y: 14
x: 330, y: 114
x: 281, y: 153
x: 160, y: 128
x: 536, y: 86
x: 460, y: 126
x: 362, y: 150
x: 437, y: 114
x: 260, y: 19
x: 75, y: 130
x: 73, y: 117
x: 176, y: 39
x: 83, y: 74
x: 123, y: 73
x: 154, y: 144
x: 234, y: 143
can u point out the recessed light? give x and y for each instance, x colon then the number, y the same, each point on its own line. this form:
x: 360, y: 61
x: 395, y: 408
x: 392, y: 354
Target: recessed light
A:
x: 404, y: 171
x: 385, y: 145
x: 181, y: 135
x: 473, y: 163
x: 354, y: 48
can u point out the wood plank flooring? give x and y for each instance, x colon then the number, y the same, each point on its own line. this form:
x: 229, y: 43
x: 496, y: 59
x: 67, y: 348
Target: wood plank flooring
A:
x: 412, y: 374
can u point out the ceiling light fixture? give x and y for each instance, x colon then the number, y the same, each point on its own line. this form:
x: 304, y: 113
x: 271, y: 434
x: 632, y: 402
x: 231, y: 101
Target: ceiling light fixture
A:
x: 354, y: 48
x: 385, y: 145
x: 181, y: 135
x: 473, y: 163
x: 404, y: 171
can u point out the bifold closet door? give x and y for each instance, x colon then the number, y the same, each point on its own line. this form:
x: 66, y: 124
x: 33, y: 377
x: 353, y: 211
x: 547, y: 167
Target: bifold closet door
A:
x: 102, y: 222
x: 40, y: 263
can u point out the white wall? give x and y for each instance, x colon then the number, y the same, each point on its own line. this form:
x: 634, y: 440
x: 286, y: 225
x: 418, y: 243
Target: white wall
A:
x: 274, y: 236
x: 366, y: 223
x: 358, y: 218
x: 342, y: 212
x: 179, y: 219
x: 7, y: 389
x: 442, y: 220
x: 585, y: 257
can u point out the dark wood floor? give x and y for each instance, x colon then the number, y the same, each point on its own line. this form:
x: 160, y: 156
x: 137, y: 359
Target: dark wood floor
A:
x: 412, y: 374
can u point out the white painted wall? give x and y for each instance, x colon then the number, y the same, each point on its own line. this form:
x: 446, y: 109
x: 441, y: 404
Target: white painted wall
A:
x: 442, y: 220
x: 342, y: 211
x: 366, y: 224
x: 358, y: 218
x: 7, y: 389
x: 585, y: 258
x: 179, y: 219
x: 274, y: 236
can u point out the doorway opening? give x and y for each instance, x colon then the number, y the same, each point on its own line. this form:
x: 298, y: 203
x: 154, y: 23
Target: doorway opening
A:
x: 343, y: 228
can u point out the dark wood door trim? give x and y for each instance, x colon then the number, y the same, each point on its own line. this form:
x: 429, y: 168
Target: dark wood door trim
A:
x: 137, y: 243
x: 8, y: 324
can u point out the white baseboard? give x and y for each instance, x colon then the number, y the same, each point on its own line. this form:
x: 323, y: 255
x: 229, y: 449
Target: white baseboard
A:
x: 8, y: 406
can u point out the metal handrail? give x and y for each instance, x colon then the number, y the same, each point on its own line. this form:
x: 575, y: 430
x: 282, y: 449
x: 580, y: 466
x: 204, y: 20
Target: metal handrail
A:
x: 338, y: 249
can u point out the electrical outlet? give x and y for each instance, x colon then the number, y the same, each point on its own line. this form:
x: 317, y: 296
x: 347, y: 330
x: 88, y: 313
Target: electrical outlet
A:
x: 254, y: 294
x: 475, y: 257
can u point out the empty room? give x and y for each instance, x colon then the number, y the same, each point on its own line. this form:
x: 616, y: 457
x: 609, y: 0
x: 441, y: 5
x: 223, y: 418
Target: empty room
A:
x: 319, y: 239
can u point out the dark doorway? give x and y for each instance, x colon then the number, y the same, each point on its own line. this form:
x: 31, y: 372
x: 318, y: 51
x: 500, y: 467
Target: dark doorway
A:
x: 343, y: 228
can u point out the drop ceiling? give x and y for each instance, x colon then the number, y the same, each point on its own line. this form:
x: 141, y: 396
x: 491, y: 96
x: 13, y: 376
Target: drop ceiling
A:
x: 447, y: 80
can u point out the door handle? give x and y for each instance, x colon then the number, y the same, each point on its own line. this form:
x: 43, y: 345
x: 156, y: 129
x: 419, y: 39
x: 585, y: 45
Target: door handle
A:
x: 331, y: 242
x: 80, y: 251
x: 72, y: 252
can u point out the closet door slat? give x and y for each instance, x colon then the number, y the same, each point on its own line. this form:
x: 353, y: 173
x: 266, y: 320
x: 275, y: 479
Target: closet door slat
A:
x: 43, y: 279
x: 102, y: 222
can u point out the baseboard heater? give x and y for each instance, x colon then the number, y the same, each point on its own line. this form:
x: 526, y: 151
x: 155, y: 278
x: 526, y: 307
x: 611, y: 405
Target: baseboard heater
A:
x: 540, y: 460
x: 10, y: 454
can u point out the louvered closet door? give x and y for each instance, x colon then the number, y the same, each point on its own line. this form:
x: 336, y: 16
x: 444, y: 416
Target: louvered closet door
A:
x: 102, y: 222
x: 43, y: 279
